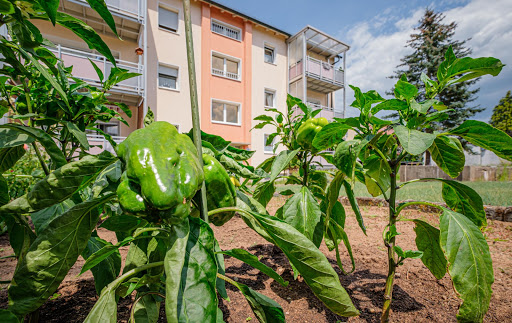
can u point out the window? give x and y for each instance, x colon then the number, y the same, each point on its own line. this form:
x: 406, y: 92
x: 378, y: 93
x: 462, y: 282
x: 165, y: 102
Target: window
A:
x: 269, y: 98
x: 225, y: 112
x: 269, y: 54
x: 268, y: 148
x: 168, y: 77
x: 168, y: 19
x: 226, y: 30
x: 225, y: 67
x: 111, y: 128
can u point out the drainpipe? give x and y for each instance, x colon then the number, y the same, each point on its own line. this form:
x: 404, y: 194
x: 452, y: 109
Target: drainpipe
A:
x: 145, y: 75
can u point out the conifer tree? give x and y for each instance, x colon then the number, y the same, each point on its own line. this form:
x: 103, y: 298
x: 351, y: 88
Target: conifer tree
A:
x: 502, y: 114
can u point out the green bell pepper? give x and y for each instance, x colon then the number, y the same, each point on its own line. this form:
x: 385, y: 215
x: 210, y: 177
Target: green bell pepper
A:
x: 162, y: 172
x: 220, y: 191
x: 308, y: 130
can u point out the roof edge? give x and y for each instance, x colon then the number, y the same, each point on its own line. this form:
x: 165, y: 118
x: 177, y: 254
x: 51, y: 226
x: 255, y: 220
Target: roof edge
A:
x: 238, y: 13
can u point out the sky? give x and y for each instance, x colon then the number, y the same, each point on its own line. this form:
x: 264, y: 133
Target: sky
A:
x: 377, y: 32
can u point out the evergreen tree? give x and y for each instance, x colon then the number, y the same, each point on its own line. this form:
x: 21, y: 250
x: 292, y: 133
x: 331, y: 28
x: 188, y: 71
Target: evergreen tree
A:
x: 502, y: 114
x: 431, y: 39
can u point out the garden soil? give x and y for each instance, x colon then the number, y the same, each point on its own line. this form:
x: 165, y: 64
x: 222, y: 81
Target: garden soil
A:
x: 417, y: 295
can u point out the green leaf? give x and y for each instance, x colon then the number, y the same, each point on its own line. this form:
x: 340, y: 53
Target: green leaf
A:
x: 264, y: 117
x: 355, y: 207
x: 264, y: 192
x: 308, y: 260
x: 252, y: 260
x: 174, y: 263
x: 422, y: 107
x: 405, y: 91
x: 346, y: 155
x: 303, y: 213
x: 6, y: 8
x: 448, y: 154
x: 248, y: 203
x: 335, y: 235
x: 330, y: 135
x: 469, y: 264
x: 221, y: 269
x: 105, y: 309
x: 217, y: 141
x: 149, y: 118
x: 332, y: 195
x: 106, y: 270
x: 264, y: 308
x: 463, y: 199
x: 98, y: 70
x: 196, y: 299
x: 118, y: 75
x: 392, y: 104
x: 427, y: 241
x: 48, y: 143
x: 484, y: 135
x: 281, y: 162
x: 50, y: 6
x: 4, y: 192
x: 65, y: 181
x: 414, y: 142
x: 10, y: 138
x: 5, y: 315
x: 377, y: 170
x: 78, y: 134
x: 123, y: 223
x: 237, y: 168
x: 107, y: 250
x: 44, y: 71
x: 86, y: 33
x: 43, y: 217
x: 407, y: 254
x: 9, y: 156
x: 51, y: 255
x: 101, y: 8
x: 239, y: 154
x: 147, y: 310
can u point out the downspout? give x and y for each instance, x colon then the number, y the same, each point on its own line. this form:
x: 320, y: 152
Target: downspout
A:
x: 145, y: 75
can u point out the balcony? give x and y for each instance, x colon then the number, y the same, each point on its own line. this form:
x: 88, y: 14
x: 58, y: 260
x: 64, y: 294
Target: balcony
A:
x: 128, y: 16
x: 322, y: 77
x: 327, y: 112
x: 98, y: 143
x: 232, y: 76
x: 128, y: 90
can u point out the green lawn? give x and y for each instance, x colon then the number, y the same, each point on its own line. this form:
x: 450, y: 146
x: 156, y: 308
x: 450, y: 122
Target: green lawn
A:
x: 492, y: 193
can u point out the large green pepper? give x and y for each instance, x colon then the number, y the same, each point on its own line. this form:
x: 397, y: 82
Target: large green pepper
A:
x: 308, y: 130
x: 220, y: 191
x: 162, y: 168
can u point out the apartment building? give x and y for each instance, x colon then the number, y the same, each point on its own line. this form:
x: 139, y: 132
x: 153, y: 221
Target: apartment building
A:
x: 243, y: 66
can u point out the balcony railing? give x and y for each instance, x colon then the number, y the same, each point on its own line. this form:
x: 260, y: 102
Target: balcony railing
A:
x: 123, y: 8
x: 233, y: 76
x: 319, y: 70
x: 327, y: 112
x: 101, y: 143
x: 84, y: 70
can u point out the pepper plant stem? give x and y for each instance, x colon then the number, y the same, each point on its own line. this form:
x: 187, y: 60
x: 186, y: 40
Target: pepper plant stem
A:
x: 194, y: 101
x: 388, y: 292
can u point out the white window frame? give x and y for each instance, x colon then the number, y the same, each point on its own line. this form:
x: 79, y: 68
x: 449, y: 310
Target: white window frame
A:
x: 178, y: 78
x: 265, y: 99
x: 168, y: 8
x: 224, y: 102
x: 224, y: 72
x: 225, y: 25
x: 273, y: 48
x: 265, y: 151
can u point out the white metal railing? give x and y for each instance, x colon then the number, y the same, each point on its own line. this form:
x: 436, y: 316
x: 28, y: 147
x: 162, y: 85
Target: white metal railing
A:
x: 319, y: 106
x: 229, y: 75
x: 226, y: 31
x: 84, y: 70
x: 99, y: 140
x: 323, y: 71
x: 126, y: 8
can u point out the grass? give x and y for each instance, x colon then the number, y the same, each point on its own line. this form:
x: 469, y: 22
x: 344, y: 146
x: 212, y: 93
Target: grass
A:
x: 492, y: 193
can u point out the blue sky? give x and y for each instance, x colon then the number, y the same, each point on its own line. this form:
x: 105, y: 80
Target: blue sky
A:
x: 377, y: 32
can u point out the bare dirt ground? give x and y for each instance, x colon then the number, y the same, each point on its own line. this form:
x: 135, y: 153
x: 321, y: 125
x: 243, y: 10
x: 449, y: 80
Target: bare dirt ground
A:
x: 418, y: 296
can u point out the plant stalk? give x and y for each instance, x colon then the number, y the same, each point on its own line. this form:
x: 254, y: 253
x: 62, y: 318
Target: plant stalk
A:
x: 388, y: 292
x: 194, y: 105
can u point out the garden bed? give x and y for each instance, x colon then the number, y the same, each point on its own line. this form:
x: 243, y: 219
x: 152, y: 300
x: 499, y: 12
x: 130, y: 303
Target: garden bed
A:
x: 418, y: 296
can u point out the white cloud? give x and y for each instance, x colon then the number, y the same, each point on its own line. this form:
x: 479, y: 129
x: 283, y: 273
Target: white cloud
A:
x: 375, y: 53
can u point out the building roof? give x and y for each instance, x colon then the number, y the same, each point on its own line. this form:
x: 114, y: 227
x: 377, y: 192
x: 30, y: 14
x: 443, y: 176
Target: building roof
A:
x: 320, y: 42
x: 238, y: 13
